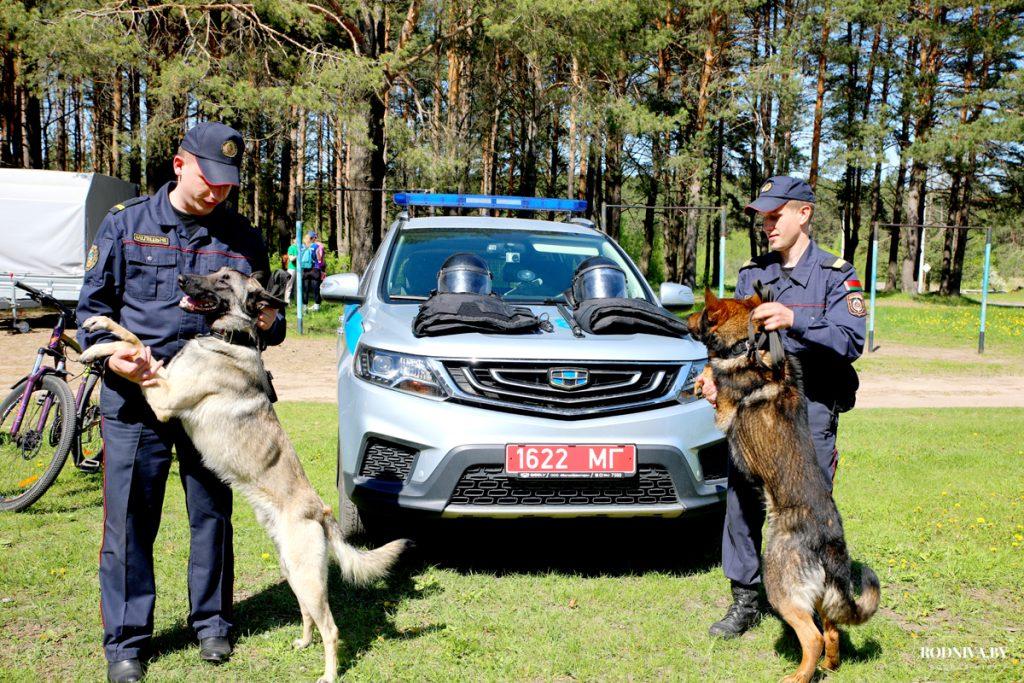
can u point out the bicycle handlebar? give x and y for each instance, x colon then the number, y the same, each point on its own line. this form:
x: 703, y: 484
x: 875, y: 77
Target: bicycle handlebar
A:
x: 45, y: 298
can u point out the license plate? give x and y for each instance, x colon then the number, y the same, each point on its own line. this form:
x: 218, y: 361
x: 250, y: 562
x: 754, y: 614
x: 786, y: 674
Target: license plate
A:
x: 570, y: 460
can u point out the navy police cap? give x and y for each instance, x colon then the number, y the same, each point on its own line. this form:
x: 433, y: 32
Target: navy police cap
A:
x: 218, y: 148
x: 778, y: 190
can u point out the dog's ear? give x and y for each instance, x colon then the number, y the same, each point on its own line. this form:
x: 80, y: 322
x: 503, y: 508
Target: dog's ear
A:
x: 710, y: 300
x: 755, y: 300
x: 260, y: 277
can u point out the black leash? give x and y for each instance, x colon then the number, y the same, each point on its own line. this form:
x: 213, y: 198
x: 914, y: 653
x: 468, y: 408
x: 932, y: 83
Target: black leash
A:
x: 757, y: 340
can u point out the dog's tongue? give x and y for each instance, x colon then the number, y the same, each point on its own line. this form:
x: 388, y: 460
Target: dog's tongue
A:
x: 190, y: 304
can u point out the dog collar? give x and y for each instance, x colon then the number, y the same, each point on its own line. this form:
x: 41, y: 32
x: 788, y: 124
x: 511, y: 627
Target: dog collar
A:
x: 237, y: 338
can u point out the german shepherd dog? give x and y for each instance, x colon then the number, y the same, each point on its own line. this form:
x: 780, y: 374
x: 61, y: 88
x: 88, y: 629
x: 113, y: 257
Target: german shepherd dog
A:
x: 762, y: 411
x: 218, y: 388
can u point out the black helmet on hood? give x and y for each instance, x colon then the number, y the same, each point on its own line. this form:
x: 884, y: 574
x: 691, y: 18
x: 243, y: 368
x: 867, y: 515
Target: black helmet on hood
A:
x: 598, y: 277
x: 464, y: 273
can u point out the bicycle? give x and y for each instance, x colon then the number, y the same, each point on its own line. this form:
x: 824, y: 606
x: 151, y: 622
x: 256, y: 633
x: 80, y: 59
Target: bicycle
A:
x: 36, y: 434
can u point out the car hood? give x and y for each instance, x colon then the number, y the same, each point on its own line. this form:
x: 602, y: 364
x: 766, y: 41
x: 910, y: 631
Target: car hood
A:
x: 389, y: 326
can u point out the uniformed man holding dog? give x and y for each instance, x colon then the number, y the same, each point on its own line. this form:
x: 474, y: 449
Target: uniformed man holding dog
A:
x: 131, y: 276
x: 819, y: 309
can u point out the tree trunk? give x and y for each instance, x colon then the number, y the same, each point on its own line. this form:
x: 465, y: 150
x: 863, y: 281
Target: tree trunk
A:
x: 819, y: 102
x: 367, y: 176
x: 929, y: 57
x: 613, y: 179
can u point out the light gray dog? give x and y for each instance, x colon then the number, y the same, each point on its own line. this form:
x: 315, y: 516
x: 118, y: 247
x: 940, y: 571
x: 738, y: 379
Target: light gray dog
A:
x: 217, y: 386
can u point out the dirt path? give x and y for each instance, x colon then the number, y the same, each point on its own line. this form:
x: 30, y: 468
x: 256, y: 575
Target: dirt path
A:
x: 304, y: 370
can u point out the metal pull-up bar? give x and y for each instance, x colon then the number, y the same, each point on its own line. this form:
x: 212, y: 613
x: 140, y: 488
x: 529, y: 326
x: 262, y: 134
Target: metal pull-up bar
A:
x: 874, y: 271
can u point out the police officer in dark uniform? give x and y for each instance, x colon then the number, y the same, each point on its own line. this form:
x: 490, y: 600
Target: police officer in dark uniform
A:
x: 819, y: 309
x: 132, y: 276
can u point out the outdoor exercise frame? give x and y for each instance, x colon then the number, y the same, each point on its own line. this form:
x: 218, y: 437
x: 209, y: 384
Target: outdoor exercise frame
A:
x: 721, y: 231
x: 920, y: 269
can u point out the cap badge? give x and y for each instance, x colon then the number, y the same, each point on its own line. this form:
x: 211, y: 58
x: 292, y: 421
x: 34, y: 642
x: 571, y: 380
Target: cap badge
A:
x: 767, y: 186
x: 229, y: 149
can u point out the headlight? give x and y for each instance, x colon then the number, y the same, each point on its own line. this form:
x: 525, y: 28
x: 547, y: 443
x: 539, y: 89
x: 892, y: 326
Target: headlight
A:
x: 686, y: 391
x: 400, y: 372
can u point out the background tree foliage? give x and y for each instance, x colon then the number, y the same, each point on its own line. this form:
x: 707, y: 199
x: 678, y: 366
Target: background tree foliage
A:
x: 896, y: 111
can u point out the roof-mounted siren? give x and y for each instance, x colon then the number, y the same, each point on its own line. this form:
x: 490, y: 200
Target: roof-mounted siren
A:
x: 489, y: 201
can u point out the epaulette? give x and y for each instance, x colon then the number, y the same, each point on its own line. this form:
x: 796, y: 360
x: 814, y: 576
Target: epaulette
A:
x: 760, y: 261
x: 129, y: 202
x: 839, y: 264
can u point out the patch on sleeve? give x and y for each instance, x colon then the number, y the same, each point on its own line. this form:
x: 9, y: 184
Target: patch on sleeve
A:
x: 855, y: 304
x: 853, y: 285
x: 93, y: 258
x: 156, y: 240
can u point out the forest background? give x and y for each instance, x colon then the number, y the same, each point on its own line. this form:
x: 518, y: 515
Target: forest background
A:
x: 896, y: 111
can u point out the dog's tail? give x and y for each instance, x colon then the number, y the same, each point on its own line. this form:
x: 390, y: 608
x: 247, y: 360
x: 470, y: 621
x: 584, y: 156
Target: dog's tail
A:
x: 361, y: 566
x: 843, y: 607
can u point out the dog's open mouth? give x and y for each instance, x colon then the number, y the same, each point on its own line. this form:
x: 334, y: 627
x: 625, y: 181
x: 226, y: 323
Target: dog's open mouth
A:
x: 198, y: 305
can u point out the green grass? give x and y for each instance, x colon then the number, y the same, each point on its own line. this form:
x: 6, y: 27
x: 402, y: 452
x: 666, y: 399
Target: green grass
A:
x: 948, y: 322
x: 322, y: 323
x: 932, y: 500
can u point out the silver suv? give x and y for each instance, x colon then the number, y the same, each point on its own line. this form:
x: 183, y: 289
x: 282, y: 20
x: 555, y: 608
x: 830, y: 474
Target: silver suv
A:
x: 488, y: 425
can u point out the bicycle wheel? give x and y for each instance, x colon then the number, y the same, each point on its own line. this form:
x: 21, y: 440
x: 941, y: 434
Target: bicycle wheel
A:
x: 31, y: 459
x: 90, y: 434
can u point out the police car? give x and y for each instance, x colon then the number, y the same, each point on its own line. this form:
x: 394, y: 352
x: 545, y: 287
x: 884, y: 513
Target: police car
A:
x: 555, y: 423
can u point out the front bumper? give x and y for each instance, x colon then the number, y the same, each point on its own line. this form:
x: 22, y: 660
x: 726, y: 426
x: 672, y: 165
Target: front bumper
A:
x: 448, y: 439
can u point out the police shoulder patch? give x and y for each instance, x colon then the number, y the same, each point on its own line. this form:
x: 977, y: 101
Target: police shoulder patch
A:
x: 855, y: 304
x: 117, y: 208
x: 92, y: 258
x: 749, y: 264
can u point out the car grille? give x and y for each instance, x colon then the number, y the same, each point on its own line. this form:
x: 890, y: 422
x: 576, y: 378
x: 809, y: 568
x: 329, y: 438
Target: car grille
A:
x: 386, y: 460
x: 489, y: 485
x: 713, y: 460
x: 524, y: 386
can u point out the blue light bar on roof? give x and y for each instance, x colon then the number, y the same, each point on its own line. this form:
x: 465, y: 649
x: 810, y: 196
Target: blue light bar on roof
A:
x: 490, y: 201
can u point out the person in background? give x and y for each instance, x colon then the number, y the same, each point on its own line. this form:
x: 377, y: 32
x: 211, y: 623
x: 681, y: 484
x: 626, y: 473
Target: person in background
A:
x: 288, y: 261
x: 309, y: 259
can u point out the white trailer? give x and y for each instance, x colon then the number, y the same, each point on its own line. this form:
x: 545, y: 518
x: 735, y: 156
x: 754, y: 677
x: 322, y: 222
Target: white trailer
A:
x: 48, y: 220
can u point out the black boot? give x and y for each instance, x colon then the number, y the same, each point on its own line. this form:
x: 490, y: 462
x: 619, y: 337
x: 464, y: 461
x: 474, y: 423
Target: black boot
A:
x: 215, y: 649
x: 743, y: 613
x: 124, y: 671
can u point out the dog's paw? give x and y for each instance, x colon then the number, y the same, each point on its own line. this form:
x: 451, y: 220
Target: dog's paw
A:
x: 326, y: 679
x: 301, y: 643
x: 96, y: 322
x: 89, y: 355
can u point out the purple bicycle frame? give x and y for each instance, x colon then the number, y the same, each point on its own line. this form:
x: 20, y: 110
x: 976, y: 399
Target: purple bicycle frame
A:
x: 33, y: 381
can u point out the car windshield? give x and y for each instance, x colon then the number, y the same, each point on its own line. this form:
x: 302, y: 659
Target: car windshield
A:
x: 527, y: 267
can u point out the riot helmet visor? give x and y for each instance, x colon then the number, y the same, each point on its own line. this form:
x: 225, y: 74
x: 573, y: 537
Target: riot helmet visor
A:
x: 464, y: 274
x: 598, y: 278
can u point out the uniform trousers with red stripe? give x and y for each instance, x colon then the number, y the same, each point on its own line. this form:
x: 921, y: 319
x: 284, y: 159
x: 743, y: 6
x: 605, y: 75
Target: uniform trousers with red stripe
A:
x: 744, y: 500
x: 137, y: 460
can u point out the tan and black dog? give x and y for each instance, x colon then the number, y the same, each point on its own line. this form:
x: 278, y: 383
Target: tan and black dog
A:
x: 217, y: 386
x: 762, y: 411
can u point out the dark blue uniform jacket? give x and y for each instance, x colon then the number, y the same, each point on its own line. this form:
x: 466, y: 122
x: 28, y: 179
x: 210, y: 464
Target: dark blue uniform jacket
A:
x: 828, y: 317
x: 139, y: 252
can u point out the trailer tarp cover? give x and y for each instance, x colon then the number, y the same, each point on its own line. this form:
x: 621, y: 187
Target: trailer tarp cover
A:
x: 48, y: 219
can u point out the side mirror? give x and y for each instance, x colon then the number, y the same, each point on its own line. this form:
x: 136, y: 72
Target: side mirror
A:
x: 344, y: 287
x: 676, y: 297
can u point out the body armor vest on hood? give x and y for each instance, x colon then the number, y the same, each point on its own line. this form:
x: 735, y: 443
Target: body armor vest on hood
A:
x: 627, y: 316
x: 447, y: 313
